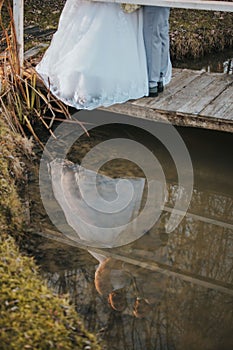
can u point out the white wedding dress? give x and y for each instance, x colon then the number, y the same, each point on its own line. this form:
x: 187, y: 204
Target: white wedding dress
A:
x: 97, y: 56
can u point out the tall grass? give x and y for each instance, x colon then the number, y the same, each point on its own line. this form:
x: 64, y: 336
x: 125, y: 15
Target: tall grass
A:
x: 24, y: 100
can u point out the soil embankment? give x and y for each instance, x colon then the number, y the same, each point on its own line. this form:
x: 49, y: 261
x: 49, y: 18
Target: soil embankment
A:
x: 32, y: 317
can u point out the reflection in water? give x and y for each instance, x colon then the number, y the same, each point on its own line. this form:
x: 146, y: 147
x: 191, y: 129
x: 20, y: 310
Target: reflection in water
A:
x: 92, y: 207
x: 162, y: 291
x: 135, y: 308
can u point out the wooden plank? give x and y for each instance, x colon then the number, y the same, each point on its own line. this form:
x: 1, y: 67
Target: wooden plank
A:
x: 187, y: 4
x: 193, y: 89
x: 34, y: 50
x: 196, y: 104
x: 205, y: 88
x: 222, y: 106
x: 228, y: 114
x: 18, y: 10
x: 177, y: 85
x: 180, y: 79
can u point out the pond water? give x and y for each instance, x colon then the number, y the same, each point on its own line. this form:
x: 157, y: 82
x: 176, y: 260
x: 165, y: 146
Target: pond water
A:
x: 218, y: 62
x: 164, y: 290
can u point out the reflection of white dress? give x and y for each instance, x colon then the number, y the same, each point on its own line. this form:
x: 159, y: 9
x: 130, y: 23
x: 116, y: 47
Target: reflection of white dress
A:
x: 88, y: 201
x: 97, y: 56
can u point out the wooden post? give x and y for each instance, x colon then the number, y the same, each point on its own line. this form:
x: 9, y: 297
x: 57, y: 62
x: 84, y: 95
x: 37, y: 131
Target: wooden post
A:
x: 18, y: 10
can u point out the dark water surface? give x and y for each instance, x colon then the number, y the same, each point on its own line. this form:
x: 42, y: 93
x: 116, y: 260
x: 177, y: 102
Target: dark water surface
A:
x: 175, y: 291
x: 218, y: 62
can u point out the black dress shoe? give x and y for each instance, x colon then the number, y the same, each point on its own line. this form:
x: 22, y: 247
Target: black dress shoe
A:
x: 153, y: 92
x: 160, y: 86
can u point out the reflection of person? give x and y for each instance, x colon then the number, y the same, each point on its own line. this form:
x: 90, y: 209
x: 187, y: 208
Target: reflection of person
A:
x: 127, y: 287
x: 97, y: 56
x: 117, y: 300
x: 151, y: 287
x: 142, y: 308
x: 112, y: 282
x: 156, y: 36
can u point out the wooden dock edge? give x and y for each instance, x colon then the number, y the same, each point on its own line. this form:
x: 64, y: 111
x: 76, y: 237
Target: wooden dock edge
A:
x: 174, y: 118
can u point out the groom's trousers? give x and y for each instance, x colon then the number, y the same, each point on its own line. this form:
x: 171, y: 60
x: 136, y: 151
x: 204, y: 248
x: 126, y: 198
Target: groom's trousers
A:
x: 156, y: 37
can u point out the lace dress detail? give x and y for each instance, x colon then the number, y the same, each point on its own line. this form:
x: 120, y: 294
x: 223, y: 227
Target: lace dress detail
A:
x: 97, y: 56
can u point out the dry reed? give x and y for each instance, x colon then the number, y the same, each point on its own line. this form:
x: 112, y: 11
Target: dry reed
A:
x: 24, y: 99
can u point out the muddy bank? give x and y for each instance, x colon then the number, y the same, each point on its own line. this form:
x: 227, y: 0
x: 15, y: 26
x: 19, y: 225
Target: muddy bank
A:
x: 32, y: 317
x: 192, y: 33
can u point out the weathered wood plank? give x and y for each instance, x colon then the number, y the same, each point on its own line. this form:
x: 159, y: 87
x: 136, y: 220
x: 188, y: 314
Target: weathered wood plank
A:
x: 180, y: 79
x: 193, y: 98
x: 203, y: 98
x: 34, y: 51
x: 228, y: 114
x: 222, y: 106
x: 177, y: 85
x: 178, y: 99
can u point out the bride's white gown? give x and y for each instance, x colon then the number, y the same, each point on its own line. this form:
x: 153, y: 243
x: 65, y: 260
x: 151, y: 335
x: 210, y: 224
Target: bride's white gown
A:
x: 97, y: 56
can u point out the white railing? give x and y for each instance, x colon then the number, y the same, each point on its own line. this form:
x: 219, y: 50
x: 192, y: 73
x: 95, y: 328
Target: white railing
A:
x: 18, y: 8
x: 188, y: 4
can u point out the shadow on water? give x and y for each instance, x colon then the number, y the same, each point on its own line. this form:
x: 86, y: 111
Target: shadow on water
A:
x: 162, y: 291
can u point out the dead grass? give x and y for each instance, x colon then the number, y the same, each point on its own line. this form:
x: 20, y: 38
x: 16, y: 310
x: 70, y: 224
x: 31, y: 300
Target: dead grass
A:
x: 196, y: 33
x: 24, y: 99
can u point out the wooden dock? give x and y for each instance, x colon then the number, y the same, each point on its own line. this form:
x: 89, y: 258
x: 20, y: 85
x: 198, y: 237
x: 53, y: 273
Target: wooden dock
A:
x: 193, y: 98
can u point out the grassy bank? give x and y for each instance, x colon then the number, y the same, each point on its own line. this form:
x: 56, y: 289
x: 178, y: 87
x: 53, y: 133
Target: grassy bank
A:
x: 32, y: 317
x: 12, y: 146
x: 192, y: 33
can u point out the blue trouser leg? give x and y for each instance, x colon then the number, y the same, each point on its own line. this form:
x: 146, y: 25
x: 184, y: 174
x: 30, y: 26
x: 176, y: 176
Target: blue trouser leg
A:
x: 156, y: 37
